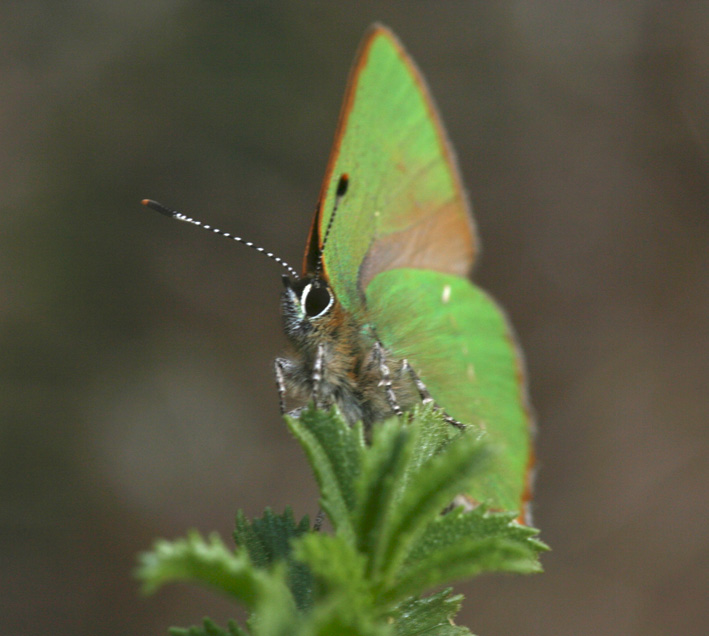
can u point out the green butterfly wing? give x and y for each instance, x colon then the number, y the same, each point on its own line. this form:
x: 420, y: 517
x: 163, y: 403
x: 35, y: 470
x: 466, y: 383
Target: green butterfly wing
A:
x: 399, y: 252
x: 461, y: 346
x: 405, y: 206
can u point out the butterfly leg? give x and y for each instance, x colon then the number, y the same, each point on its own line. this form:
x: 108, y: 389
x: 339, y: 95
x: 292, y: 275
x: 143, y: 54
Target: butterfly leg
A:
x: 281, y: 367
x: 426, y: 396
x: 319, y: 518
x: 317, y: 376
x: 378, y: 359
x: 317, y: 379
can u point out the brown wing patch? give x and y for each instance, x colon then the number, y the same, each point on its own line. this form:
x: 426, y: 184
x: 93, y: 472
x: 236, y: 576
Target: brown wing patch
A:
x: 439, y: 241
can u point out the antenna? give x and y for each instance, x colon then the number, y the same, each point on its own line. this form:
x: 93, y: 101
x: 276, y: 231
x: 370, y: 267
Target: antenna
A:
x: 342, y: 185
x: 174, y: 214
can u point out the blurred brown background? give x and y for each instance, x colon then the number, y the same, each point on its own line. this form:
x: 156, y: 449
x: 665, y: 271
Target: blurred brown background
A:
x: 136, y: 354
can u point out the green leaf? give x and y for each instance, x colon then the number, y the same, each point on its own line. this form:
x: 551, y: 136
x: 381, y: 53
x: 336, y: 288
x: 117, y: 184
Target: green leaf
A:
x: 463, y: 544
x: 328, y: 619
x: 209, y: 628
x: 430, y: 489
x: 380, y: 485
x: 336, y: 565
x: 272, y: 617
x: 268, y: 541
x: 334, y: 451
x: 210, y: 563
x: 460, y: 525
x: 343, y: 601
x: 391, y: 544
x: 433, y: 436
x: 431, y: 615
x: 466, y: 559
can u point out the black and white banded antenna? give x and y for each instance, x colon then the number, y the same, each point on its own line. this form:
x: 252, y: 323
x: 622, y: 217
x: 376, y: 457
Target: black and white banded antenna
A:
x: 339, y: 194
x: 174, y: 214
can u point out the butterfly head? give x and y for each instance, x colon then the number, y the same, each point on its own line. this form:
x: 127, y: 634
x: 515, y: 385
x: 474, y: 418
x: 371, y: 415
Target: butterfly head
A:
x: 309, y: 306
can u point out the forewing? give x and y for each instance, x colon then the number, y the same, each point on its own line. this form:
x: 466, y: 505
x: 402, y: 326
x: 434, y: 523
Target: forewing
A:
x: 404, y: 206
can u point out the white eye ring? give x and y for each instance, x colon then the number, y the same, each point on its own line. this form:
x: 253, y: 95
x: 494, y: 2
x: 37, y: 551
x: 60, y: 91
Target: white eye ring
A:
x: 304, y: 298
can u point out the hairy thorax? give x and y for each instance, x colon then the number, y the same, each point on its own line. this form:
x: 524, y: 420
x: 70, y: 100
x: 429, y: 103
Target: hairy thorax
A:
x: 336, y: 360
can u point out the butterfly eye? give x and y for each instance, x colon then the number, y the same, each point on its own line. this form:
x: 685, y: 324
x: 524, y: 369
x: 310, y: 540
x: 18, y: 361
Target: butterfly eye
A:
x: 316, y: 300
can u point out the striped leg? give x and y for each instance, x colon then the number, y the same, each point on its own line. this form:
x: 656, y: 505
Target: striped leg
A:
x: 426, y: 396
x: 281, y: 366
x: 378, y: 359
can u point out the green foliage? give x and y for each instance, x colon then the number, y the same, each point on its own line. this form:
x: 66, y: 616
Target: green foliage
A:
x: 209, y: 628
x: 390, y: 545
x: 268, y: 541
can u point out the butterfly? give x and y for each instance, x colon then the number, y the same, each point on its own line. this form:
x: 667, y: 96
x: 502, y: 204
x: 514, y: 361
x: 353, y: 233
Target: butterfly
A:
x: 384, y: 316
